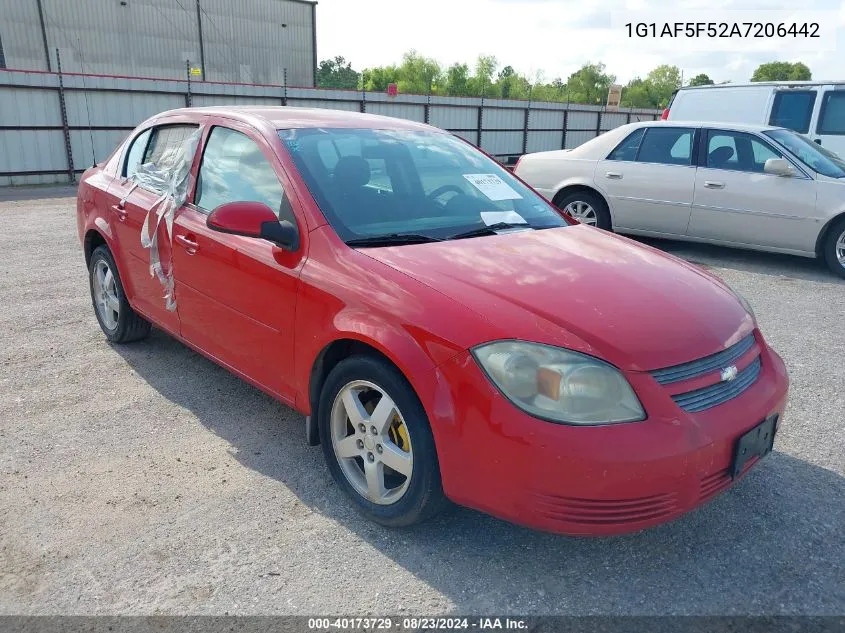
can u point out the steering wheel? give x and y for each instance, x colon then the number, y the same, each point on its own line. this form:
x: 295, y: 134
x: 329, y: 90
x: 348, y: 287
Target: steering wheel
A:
x: 445, y: 189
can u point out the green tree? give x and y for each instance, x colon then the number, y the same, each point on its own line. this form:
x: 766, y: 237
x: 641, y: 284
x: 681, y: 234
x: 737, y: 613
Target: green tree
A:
x: 417, y: 74
x: 336, y: 73
x: 782, y: 71
x: 589, y: 84
x: 701, y: 80
x: 457, y: 81
x: 663, y: 80
x: 638, y: 94
x: 482, y: 80
x: 377, y: 79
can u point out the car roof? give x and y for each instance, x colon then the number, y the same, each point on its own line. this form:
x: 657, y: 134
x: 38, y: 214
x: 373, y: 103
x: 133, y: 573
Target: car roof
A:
x: 771, y: 84
x: 738, y: 127
x: 286, y: 117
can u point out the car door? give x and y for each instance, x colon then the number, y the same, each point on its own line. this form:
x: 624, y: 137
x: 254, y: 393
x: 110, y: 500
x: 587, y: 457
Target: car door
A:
x: 237, y: 295
x: 130, y: 204
x: 737, y: 202
x: 649, y: 178
x: 830, y: 128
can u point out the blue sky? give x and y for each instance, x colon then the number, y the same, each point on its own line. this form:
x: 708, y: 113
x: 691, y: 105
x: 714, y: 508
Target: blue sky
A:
x: 552, y: 37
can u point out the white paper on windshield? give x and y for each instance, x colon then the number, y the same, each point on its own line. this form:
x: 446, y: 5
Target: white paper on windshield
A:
x: 492, y: 186
x: 495, y: 217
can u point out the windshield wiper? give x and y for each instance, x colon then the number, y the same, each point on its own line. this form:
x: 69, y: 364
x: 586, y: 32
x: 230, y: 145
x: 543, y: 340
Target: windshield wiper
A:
x: 488, y: 230
x: 393, y: 239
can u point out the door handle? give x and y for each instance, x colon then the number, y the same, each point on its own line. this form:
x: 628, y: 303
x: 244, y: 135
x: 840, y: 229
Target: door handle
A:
x: 615, y: 175
x: 187, y: 243
x: 119, y: 211
x: 819, y: 141
x: 712, y: 184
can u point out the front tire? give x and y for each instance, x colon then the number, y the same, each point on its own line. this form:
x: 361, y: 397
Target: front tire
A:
x: 377, y: 442
x: 119, y: 322
x: 834, y: 248
x: 586, y: 207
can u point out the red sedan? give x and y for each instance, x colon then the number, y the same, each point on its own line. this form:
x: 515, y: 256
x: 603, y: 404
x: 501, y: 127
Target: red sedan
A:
x: 447, y: 332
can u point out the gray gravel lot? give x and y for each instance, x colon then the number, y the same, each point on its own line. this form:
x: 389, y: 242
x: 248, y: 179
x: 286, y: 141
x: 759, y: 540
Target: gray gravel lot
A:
x: 144, y: 479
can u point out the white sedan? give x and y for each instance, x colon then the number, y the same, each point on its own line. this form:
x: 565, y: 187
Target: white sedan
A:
x: 747, y: 186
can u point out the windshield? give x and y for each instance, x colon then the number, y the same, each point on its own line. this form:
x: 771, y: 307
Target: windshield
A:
x: 376, y: 183
x: 811, y: 154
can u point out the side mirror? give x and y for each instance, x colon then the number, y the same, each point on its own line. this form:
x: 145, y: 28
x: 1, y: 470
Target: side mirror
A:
x: 778, y: 167
x: 254, y: 219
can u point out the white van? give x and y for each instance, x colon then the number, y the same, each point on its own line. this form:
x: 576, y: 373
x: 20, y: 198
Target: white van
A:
x: 814, y: 108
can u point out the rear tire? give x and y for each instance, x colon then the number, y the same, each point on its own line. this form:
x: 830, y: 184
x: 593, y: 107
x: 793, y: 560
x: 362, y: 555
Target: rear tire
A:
x: 833, y: 250
x: 119, y: 322
x: 360, y: 447
x: 587, y: 207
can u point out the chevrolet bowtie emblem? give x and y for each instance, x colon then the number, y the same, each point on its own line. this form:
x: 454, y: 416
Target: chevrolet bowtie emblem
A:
x: 728, y: 373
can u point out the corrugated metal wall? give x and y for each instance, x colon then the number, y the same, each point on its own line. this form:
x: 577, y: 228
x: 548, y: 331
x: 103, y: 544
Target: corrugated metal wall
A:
x: 251, y: 41
x: 103, y: 110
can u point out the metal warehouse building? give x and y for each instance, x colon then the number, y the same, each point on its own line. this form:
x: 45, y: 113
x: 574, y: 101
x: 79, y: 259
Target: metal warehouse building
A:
x: 249, y: 41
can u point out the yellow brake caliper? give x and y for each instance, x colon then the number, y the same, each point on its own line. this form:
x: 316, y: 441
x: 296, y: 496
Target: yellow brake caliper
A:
x: 399, y: 434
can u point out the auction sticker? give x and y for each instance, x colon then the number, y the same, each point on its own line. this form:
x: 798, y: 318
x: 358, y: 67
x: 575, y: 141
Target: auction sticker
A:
x: 492, y: 186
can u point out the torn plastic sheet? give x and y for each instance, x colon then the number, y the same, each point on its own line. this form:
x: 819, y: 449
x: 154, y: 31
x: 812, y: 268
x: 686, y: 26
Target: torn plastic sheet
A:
x: 171, y: 175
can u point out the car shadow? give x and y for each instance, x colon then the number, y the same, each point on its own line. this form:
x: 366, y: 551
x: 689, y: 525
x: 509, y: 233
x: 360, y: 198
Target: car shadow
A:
x: 769, y: 545
x: 786, y: 267
x: 20, y: 193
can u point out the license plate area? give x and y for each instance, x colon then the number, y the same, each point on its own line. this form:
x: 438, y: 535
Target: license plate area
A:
x: 757, y: 442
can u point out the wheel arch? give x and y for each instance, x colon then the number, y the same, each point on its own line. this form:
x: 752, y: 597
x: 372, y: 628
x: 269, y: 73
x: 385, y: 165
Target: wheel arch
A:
x: 344, y: 346
x: 93, y: 239
x: 573, y: 187
x: 822, y: 237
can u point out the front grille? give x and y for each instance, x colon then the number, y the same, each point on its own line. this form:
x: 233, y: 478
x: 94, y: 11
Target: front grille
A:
x: 704, y: 365
x: 701, y: 399
x: 606, y: 511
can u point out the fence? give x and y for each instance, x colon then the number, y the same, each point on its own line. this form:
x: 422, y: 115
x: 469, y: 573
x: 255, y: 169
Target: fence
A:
x: 54, y: 126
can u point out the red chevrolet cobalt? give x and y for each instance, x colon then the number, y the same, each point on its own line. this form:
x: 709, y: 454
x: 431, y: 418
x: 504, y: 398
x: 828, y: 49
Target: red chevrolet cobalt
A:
x: 446, y: 332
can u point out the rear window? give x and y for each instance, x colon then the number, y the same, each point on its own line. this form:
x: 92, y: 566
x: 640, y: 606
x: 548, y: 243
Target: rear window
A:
x: 792, y: 109
x: 166, y: 144
x: 832, y: 117
x: 627, y: 149
x: 667, y: 145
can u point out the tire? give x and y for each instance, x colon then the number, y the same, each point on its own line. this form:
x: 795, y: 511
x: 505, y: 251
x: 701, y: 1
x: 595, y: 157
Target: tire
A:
x: 420, y: 496
x: 124, y: 325
x: 596, y: 204
x: 834, y: 248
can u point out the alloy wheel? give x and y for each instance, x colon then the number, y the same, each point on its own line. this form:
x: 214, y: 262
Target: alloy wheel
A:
x: 840, y: 249
x: 371, y: 442
x: 582, y: 212
x: 105, y: 294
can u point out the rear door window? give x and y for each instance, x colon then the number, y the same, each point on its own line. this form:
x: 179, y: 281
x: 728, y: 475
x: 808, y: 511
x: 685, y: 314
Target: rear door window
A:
x: 627, y: 149
x: 667, y: 146
x: 136, y: 153
x: 792, y: 109
x: 166, y: 144
x: 832, y: 116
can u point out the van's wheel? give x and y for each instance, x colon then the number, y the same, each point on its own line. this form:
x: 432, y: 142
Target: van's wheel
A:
x: 834, y: 248
x: 119, y: 322
x: 378, y: 444
x: 586, y: 207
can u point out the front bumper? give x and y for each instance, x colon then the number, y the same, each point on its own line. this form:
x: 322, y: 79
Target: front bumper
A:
x: 596, y: 480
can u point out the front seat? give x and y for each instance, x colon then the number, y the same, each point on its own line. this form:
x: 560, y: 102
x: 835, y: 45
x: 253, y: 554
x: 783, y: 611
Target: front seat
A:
x: 719, y: 157
x: 349, y: 179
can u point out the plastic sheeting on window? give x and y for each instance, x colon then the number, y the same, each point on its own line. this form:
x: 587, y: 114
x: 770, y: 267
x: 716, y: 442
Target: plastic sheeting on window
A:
x: 170, y: 175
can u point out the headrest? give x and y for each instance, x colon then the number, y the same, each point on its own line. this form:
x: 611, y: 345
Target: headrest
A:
x: 351, y: 172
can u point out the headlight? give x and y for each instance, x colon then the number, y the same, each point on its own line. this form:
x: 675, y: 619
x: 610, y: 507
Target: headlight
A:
x: 558, y: 384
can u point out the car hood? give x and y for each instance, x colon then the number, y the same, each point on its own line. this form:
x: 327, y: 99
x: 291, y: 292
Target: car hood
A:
x: 581, y: 288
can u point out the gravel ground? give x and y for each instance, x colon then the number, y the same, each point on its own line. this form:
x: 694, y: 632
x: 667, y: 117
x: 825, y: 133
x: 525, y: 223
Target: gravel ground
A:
x: 144, y: 479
